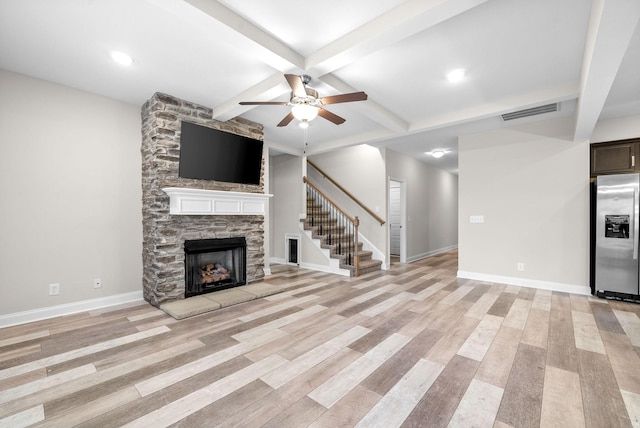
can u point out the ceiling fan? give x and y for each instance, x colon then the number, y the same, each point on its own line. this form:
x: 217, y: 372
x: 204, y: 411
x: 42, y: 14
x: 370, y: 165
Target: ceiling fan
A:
x: 305, y: 104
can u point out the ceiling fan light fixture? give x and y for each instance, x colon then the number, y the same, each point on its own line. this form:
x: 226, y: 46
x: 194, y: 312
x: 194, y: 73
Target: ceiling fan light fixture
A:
x: 304, y: 124
x: 304, y: 112
x: 305, y: 104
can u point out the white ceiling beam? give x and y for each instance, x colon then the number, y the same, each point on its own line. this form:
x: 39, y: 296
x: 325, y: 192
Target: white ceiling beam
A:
x: 277, y: 54
x: 354, y: 140
x: 267, y: 90
x: 369, y: 108
x: 399, y: 23
x: 484, y: 111
x: 610, y: 30
x: 274, y: 148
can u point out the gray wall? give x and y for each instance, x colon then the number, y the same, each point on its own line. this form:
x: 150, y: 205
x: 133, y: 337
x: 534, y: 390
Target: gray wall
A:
x: 360, y: 170
x: 285, y: 206
x: 531, y: 184
x: 71, y: 194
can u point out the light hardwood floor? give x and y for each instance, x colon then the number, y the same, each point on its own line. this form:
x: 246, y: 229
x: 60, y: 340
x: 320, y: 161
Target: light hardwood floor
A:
x: 410, y: 347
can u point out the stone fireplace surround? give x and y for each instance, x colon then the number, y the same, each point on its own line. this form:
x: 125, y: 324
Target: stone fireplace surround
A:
x: 164, y: 233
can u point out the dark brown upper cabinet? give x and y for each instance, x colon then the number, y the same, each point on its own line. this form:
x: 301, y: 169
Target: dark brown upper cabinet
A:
x: 615, y: 157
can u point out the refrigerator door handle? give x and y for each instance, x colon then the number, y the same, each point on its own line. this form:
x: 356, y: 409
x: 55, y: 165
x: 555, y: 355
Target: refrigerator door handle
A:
x: 636, y: 224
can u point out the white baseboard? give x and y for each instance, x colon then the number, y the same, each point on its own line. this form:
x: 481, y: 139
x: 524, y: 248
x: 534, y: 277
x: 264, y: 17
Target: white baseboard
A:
x: 277, y: 261
x: 68, y: 308
x: 327, y: 269
x: 417, y: 257
x: 311, y: 266
x: 524, y: 282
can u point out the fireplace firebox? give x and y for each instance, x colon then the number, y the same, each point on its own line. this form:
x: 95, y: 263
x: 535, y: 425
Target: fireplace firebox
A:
x: 214, y: 264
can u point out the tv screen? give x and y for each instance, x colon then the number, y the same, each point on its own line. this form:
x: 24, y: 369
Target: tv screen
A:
x: 211, y: 154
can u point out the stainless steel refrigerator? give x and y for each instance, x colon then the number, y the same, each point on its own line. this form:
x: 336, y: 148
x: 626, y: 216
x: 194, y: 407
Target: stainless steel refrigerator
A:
x: 616, y: 231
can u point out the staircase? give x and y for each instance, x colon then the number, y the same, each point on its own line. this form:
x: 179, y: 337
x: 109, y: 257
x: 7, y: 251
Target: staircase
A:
x: 335, y: 231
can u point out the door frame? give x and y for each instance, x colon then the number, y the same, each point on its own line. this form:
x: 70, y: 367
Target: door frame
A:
x: 403, y: 219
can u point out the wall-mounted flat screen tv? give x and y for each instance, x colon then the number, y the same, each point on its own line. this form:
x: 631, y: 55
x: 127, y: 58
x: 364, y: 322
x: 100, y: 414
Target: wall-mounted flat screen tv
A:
x: 211, y: 154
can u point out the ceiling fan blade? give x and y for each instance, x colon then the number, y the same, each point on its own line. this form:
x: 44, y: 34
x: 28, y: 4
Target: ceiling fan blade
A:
x: 326, y: 114
x: 296, y: 85
x: 344, y: 98
x: 287, y: 119
x: 263, y: 103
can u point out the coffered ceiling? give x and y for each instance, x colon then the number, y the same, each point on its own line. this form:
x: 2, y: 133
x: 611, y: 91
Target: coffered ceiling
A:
x: 517, y: 54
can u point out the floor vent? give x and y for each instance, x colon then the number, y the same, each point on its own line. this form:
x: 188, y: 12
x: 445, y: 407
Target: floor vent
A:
x: 292, y: 248
x: 548, y: 108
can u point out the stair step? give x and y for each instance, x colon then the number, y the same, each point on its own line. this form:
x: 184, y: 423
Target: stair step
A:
x: 370, y: 266
x: 318, y: 216
x: 325, y: 224
x: 365, y: 266
x: 344, y: 243
x: 319, y: 219
x: 364, y: 255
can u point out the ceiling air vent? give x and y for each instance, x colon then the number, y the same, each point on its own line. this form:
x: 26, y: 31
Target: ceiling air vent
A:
x: 530, y: 112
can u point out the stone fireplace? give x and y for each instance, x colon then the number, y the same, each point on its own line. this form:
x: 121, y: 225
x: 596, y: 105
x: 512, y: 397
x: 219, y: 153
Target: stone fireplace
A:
x: 166, y: 230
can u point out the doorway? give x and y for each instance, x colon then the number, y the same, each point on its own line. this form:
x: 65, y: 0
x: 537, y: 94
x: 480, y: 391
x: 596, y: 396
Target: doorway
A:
x: 397, y: 226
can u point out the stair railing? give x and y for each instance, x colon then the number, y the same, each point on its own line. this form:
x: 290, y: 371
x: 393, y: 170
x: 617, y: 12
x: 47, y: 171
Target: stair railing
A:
x: 346, y: 192
x: 327, y: 218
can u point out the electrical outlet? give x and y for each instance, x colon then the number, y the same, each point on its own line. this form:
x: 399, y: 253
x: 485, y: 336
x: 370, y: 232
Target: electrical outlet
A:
x: 97, y: 283
x: 54, y: 289
x: 520, y: 267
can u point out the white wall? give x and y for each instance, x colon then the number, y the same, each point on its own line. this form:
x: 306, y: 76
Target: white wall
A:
x: 531, y: 184
x: 71, y: 195
x: 432, y: 205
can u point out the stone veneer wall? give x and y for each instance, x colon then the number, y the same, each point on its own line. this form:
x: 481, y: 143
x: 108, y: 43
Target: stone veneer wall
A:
x: 164, y: 234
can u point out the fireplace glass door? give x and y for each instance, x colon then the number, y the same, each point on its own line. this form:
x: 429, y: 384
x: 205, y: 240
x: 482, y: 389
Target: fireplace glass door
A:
x: 214, y: 264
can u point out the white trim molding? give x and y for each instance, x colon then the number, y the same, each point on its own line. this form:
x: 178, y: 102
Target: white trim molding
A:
x: 312, y: 266
x: 69, y: 308
x: 184, y: 201
x: 417, y: 257
x: 524, y: 282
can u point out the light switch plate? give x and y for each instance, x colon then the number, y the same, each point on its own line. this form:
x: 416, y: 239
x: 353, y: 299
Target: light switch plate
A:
x: 476, y: 219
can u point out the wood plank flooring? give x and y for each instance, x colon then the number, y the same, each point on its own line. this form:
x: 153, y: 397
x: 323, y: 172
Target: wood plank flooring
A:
x: 410, y: 347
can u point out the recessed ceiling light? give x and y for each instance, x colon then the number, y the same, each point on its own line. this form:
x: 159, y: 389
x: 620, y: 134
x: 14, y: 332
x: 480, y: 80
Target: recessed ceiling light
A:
x: 437, y: 153
x: 456, y: 75
x: 121, y: 58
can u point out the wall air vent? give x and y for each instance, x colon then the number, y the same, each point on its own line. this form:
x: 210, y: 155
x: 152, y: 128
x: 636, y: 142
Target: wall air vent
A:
x: 549, y: 108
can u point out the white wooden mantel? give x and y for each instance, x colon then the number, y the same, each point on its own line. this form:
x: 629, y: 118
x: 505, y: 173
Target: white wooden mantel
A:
x: 184, y: 201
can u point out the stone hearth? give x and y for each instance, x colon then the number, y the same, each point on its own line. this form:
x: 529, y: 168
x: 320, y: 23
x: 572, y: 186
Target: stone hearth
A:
x: 164, y: 234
